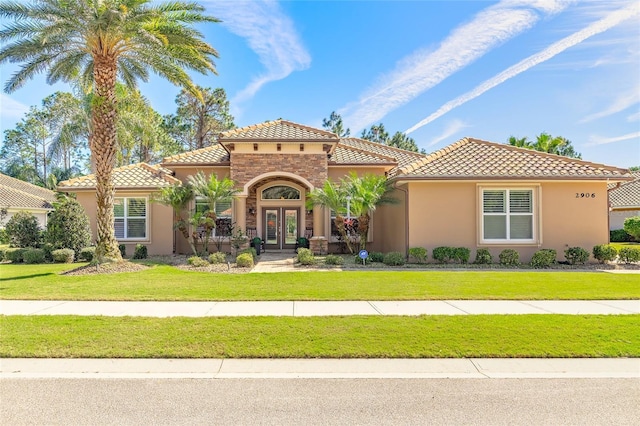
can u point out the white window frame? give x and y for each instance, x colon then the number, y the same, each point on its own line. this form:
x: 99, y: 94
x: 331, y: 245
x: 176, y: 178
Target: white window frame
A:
x: 534, y: 214
x: 202, y: 201
x: 126, y: 218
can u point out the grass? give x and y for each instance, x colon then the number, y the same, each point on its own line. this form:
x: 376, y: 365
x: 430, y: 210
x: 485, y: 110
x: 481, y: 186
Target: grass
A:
x: 163, y: 282
x: 327, y: 337
x: 618, y: 246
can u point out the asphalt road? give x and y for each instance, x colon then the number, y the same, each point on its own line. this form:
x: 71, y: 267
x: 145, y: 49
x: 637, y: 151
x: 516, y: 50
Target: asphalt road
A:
x: 319, y: 401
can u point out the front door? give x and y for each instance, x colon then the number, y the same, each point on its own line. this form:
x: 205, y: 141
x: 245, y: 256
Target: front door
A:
x: 280, y: 227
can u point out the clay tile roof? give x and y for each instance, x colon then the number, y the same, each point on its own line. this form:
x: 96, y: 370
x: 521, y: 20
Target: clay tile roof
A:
x: 278, y: 130
x: 209, y: 155
x: 626, y: 195
x: 400, y: 156
x: 16, y: 193
x: 140, y: 175
x: 473, y: 158
x: 345, y: 154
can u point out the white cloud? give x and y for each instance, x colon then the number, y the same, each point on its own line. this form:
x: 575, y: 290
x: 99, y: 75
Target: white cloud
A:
x: 621, y: 103
x: 424, y: 69
x: 11, y: 109
x: 634, y: 117
x: 611, y: 20
x: 599, y: 140
x: 451, y: 129
x: 269, y: 33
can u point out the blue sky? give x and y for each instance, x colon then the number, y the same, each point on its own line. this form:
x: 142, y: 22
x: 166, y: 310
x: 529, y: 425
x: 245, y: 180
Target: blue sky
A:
x: 441, y: 70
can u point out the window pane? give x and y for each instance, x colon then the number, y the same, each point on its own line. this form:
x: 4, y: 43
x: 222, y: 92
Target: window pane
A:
x: 136, y: 228
x: 520, y: 202
x: 137, y: 207
x: 495, y: 227
x: 223, y: 208
x: 521, y: 227
x: 493, y: 202
x: 223, y: 227
x: 118, y: 224
x: 118, y: 207
x: 281, y: 192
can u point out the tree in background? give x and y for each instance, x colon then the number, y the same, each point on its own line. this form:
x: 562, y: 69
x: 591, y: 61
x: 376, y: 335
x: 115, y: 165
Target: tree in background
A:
x: 546, y: 143
x: 95, y: 42
x: 335, y: 125
x: 377, y: 133
x: 200, y: 118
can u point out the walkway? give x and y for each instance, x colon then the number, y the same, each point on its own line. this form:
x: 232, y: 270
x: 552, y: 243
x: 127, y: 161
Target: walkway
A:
x: 275, y: 261
x: 319, y: 308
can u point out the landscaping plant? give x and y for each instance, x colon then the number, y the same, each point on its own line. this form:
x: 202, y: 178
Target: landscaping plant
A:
x: 197, y: 261
x: 443, y: 254
x: 244, y: 260
x: 418, y: 253
x: 218, y: 257
x: 140, y: 252
x: 376, y: 256
x: 14, y: 254
x: 394, y: 258
x: 543, y: 258
x: 23, y: 230
x: 509, y: 257
x: 629, y: 254
x: 68, y: 226
x: 483, y: 257
x: 576, y: 255
x: 305, y: 257
x: 332, y: 259
x: 619, y: 236
x: 33, y: 255
x: 63, y: 255
x: 87, y: 253
x: 632, y: 227
x: 605, y: 253
x: 461, y: 254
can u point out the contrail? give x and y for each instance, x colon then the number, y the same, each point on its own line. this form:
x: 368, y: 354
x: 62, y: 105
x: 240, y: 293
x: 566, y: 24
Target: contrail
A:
x: 602, y: 25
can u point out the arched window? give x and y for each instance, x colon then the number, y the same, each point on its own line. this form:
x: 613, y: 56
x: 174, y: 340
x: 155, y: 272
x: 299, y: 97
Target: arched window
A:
x: 280, y: 192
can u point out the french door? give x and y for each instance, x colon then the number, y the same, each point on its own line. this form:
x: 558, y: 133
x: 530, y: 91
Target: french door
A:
x: 280, y: 227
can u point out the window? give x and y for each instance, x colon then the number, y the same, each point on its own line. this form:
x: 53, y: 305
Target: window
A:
x: 130, y: 218
x: 281, y: 192
x: 507, y: 215
x: 223, y: 216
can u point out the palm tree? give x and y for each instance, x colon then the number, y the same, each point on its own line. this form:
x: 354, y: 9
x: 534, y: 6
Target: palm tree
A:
x: 178, y: 197
x: 213, y: 191
x: 95, y: 43
x: 520, y: 142
x: 368, y: 192
x: 334, y: 197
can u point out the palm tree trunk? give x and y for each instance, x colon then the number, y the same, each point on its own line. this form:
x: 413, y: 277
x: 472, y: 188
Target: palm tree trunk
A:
x: 343, y: 232
x: 102, y: 144
x: 363, y: 230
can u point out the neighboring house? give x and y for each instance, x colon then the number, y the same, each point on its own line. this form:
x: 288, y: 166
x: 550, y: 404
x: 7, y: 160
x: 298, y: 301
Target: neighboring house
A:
x: 17, y: 195
x: 471, y: 194
x: 624, y: 201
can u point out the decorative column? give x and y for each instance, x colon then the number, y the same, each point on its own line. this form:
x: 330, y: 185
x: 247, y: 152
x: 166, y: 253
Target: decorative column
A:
x: 240, y: 212
x: 319, y: 243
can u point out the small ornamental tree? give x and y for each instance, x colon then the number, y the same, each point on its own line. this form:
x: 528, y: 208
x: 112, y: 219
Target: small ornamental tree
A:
x: 23, y: 230
x: 68, y: 226
x: 632, y: 227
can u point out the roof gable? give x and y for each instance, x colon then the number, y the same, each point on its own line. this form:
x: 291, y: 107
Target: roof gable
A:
x: 213, y: 154
x: 476, y: 159
x: 626, y: 195
x: 16, y: 193
x: 134, y: 176
x: 278, y: 130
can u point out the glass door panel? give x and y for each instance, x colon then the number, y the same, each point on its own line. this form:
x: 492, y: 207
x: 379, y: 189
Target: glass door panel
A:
x: 290, y: 224
x: 271, y: 222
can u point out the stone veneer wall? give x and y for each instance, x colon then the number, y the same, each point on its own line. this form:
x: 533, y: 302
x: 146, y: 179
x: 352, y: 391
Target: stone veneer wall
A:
x: 244, y: 167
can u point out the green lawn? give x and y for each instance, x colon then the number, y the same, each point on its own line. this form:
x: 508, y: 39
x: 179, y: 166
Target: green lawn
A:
x: 162, y: 282
x: 326, y: 337
x: 618, y: 246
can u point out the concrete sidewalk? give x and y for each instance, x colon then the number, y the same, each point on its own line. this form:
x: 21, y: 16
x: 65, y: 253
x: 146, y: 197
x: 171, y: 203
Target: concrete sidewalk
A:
x: 319, y: 308
x: 477, y: 368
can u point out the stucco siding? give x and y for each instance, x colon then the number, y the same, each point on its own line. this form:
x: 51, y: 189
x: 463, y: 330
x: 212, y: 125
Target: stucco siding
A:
x: 389, y: 225
x: 617, y: 217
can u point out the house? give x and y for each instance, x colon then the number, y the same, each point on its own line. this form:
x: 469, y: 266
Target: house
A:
x: 471, y: 194
x: 17, y: 195
x: 624, y: 201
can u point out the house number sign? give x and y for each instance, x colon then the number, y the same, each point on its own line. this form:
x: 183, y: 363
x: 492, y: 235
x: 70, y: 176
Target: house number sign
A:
x: 585, y: 195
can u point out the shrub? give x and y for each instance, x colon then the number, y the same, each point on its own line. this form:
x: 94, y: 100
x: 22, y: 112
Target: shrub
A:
x: 418, y: 253
x: 244, y: 260
x: 68, y: 226
x: 619, y: 236
x: 33, y: 256
x: 443, y: 254
x: 357, y: 260
x: 543, y: 258
x: 1, y: 254
x: 14, y: 254
x: 632, y: 226
x: 23, y: 230
x: 394, y: 258
x: 605, y: 253
x: 197, y: 262
x: 305, y: 256
x: 123, y: 250
x: 4, y: 237
x: 48, y: 248
x: 140, y: 252
x: 483, y: 257
x: 629, y: 254
x: 63, y: 255
x: 332, y: 259
x: 461, y: 254
x: 218, y: 257
x: 375, y: 256
x: 87, y: 253
x: 576, y: 255
x: 252, y: 251
x: 509, y: 257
